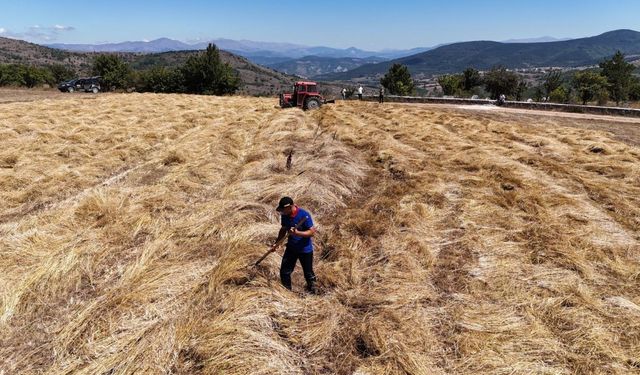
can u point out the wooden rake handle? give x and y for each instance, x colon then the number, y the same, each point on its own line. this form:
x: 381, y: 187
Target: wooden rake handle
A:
x: 277, y: 244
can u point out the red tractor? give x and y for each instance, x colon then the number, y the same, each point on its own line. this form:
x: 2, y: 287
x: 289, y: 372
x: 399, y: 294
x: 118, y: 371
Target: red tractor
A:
x: 305, y: 95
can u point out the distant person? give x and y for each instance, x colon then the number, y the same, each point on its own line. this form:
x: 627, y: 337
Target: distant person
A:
x: 344, y: 94
x: 381, y: 95
x: 360, y: 91
x: 297, y: 222
x: 501, y: 99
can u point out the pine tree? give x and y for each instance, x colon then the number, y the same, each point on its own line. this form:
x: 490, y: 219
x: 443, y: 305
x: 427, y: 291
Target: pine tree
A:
x: 207, y: 74
x: 619, y: 75
x: 398, y: 80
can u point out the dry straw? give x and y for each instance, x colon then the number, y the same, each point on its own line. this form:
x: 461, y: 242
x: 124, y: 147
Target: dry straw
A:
x: 450, y: 241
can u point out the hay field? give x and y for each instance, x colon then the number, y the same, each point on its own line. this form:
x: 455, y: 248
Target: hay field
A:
x: 450, y: 241
x: 12, y: 94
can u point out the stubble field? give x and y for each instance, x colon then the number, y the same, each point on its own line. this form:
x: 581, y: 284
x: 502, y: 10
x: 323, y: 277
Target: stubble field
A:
x: 450, y: 240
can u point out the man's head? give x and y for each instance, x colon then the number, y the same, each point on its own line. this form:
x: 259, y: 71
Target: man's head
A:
x: 285, y: 206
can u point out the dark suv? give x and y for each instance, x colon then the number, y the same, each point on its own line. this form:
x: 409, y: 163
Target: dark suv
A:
x: 91, y: 84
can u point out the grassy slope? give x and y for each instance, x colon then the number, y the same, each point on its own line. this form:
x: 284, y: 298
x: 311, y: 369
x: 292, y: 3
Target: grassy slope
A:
x: 14, y: 51
x: 448, y: 243
x: 256, y: 79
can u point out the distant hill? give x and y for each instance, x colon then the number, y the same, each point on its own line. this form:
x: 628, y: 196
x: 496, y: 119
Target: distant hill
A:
x: 13, y: 51
x: 257, y: 80
x: 313, y: 66
x: 483, y: 55
x: 542, y: 39
x: 258, y: 52
x: 154, y: 46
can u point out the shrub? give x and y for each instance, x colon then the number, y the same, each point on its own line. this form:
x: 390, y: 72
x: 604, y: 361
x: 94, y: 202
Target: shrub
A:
x: 451, y: 84
x: 160, y: 80
x: 559, y: 95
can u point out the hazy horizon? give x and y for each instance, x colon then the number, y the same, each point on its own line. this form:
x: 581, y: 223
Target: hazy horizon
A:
x: 372, y: 25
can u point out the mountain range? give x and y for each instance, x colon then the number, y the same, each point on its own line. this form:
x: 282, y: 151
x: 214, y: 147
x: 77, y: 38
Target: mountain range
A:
x: 542, y: 39
x: 314, y: 66
x: 326, y: 63
x: 246, y: 48
x: 305, y: 61
x: 484, y: 55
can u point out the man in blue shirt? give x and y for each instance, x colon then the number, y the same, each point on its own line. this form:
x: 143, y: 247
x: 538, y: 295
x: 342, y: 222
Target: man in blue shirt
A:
x: 298, y: 224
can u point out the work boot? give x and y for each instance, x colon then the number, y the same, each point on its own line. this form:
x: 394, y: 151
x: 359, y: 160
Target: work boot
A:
x: 311, y: 287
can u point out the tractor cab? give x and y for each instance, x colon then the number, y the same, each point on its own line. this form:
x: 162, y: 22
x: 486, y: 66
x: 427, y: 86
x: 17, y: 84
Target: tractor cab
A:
x: 302, y: 89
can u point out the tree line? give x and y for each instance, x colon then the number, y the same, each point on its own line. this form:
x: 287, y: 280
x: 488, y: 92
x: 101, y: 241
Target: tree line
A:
x: 205, y: 73
x: 612, y: 80
x: 32, y: 76
x: 202, y: 73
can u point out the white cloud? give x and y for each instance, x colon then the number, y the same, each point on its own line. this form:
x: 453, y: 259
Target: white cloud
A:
x: 37, y: 33
x: 63, y: 28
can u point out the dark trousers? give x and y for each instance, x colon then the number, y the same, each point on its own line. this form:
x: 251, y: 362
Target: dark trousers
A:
x: 381, y: 99
x: 359, y: 96
x: 289, y: 260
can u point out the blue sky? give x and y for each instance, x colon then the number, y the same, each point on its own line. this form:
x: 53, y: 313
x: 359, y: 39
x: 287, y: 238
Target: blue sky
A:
x: 371, y: 24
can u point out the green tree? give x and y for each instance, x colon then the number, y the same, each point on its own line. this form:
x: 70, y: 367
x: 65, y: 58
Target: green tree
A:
x: 61, y: 73
x: 205, y: 73
x: 559, y: 95
x: 538, y: 94
x: 619, y: 75
x: 33, y: 76
x: 24, y: 75
x: 552, y: 81
x: 398, y: 80
x: 589, y: 85
x: 160, y: 80
x: 500, y: 81
x: 451, y: 84
x: 472, y: 79
x: 634, y: 92
x: 115, y: 72
x: 12, y: 75
x: 603, y: 97
x: 521, y: 89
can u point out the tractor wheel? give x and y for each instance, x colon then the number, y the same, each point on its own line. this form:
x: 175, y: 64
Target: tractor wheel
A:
x: 95, y: 90
x: 71, y: 89
x: 312, y: 103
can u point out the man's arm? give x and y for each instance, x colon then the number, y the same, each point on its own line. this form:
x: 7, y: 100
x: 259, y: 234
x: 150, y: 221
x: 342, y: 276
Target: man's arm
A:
x: 281, y: 234
x: 303, y: 233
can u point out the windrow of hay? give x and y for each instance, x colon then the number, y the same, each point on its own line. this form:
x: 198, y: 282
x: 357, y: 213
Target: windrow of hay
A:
x: 447, y: 243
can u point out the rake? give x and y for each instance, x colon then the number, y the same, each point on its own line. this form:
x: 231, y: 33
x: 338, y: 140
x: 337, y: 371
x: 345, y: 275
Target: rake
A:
x: 277, y: 244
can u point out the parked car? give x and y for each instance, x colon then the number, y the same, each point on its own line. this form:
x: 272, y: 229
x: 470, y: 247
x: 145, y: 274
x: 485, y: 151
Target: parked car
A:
x: 90, y: 84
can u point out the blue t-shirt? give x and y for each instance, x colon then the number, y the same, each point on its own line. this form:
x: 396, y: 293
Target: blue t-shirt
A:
x: 295, y: 243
